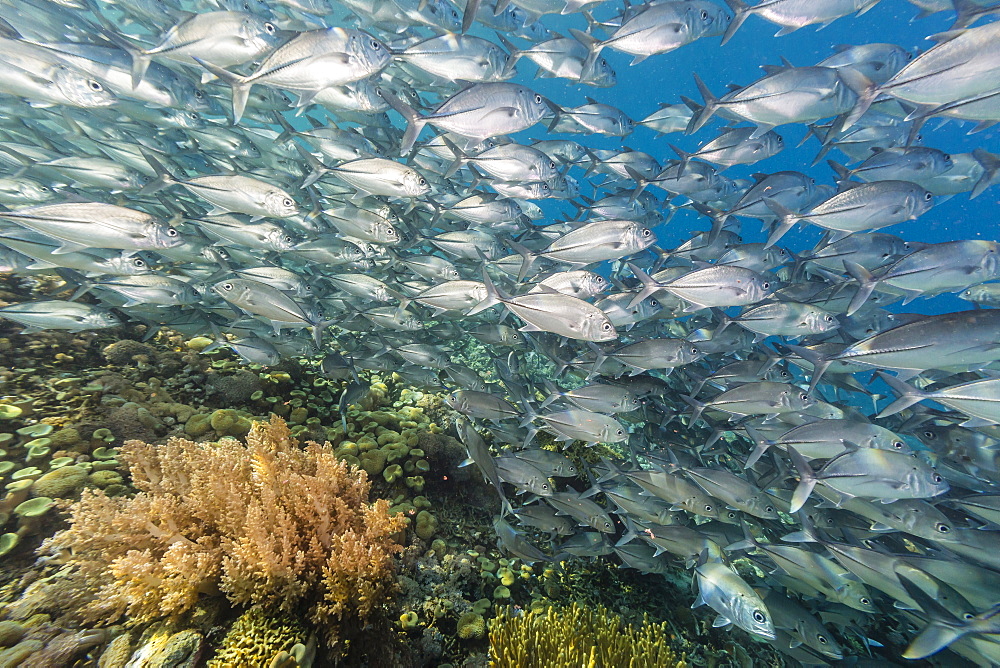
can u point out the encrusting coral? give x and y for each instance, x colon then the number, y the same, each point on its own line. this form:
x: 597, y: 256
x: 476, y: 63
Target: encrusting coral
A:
x: 265, y: 523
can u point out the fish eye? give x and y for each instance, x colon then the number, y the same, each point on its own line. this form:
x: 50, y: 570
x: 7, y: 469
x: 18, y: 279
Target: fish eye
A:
x: 759, y: 617
x: 545, y: 486
x: 552, y: 164
x: 769, y: 509
x: 765, y: 285
x: 138, y: 262
x: 947, y: 158
x: 269, y: 28
x: 937, y: 477
x: 822, y: 639
x: 928, y: 197
x: 942, y: 527
x: 288, y: 201
x: 864, y: 600
x: 422, y: 181
x: 928, y: 434
x: 645, y: 232
x: 95, y: 85
x: 375, y: 45
x: 898, y: 445
x: 829, y: 318
x: 694, y: 351
x: 606, y: 326
x: 704, y: 15
x: 653, y: 303
x: 171, y: 232
x: 968, y: 616
x: 804, y: 396
x: 708, y: 507
x: 538, y: 99
x: 227, y: 286
x: 620, y: 432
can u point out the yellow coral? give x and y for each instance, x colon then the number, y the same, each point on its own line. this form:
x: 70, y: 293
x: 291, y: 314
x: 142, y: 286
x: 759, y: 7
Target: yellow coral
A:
x: 266, y: 523
x: 578, y: 637
x: 471, y: 625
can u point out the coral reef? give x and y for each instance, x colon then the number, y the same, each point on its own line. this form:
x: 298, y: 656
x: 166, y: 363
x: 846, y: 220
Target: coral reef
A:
x: 264, y: 523
x: 575, y: 637
x: 257, y: 639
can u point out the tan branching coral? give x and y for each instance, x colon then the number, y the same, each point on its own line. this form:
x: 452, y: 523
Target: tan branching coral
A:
x: 264, y: 523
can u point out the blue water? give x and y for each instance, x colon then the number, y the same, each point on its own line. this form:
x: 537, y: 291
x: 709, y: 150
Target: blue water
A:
x: 666, y: 77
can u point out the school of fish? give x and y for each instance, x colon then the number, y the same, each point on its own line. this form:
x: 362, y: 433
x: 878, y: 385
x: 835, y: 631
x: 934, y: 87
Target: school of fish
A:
x: 370, y: 182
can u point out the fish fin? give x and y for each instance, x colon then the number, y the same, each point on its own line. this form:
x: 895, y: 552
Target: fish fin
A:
x: 414, y: 121
x: 866, y: 285
x: 649, y: 285
x: 140, y: 59
x: 706, y: 112
x: 761, y: 443
x: 991, y: 166
x: 807, y: 480
x: 240, y: 85
x: 69, y: 247
x: 740, y: 13
x: 786, y: 220
x: 721, y: 620
x: 493, y: 296
x: 469, y: 15
x: 908, y: 395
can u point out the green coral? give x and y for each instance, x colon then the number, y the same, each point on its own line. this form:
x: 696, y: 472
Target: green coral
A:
x: 426, y: 525
x: 471, y: 625
x: 575, y: 637
x: 257, y: 637
x: 60, y: 482
x: 230, y: 422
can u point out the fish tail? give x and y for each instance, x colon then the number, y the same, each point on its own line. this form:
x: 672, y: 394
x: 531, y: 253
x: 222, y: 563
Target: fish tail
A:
x: 707, y: 110
x: 807, y: 480
x: 990, y: 163
x: 908, y: 395
x: 514, y: 55
x: 469, y: 16
x: 493, y: 296
x: 819, y: 361
x: 740, y: 13
x: 761, y: 446
x: 698, y: 407
x: 414, y: 121
x: 684, y: 156
x: 527, y: 258
x: 163, y: 177
x: 317, y: 169
x: 599, y: 357
x: 866, y: 91
x: 786, y: 219
x: 594, y: 48
x: 240, y: 85
x: 649, y: 285
x: 140, y: 59
x: 866, y: 285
